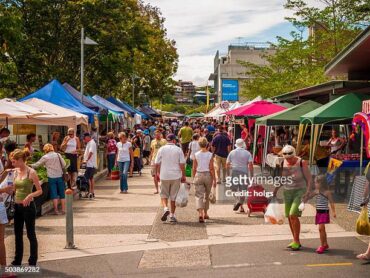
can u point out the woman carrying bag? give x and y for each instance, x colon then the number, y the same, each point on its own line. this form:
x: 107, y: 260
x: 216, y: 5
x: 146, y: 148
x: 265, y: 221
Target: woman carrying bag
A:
x: 204, y: 178
x: 71, y: 146
x: 55, y: 167
x: 25, y: 209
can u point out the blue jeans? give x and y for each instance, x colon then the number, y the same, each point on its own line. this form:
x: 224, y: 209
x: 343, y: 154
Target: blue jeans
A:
x: 111, y: 161
x: 123, y: 170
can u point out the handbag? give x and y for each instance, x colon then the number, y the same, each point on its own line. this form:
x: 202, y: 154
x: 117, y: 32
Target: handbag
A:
x: 212, y: 196
x: 10, y: 206
x: 65, y: 174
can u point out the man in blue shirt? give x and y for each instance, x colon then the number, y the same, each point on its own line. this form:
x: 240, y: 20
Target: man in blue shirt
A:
x: 221, y: 146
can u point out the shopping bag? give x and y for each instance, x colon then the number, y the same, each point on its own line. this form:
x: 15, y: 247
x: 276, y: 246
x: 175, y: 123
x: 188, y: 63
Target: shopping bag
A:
x: 363, y: 224
x: 115, y: 173
x: 188, y: 170
x: 212, y: 195
x: 274, y: 213
x: 182, y: 196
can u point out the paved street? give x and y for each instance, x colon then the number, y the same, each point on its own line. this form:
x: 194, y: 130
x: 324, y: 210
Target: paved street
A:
x: 118, y: 234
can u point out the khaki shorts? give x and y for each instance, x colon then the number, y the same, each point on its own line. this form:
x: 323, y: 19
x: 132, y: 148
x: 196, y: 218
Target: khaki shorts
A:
x: 169, y: 189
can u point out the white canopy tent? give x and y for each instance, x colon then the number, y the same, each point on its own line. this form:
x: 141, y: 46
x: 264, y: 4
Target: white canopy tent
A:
x: 218, y: 111
x: 59, y: 116
x: 11, y: 110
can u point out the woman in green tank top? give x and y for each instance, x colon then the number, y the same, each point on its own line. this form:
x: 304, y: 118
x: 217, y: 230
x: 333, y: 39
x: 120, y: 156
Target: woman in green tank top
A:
x: 25, y: 210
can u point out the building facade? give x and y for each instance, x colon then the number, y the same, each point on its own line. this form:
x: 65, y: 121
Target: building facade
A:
x: 228, y: 74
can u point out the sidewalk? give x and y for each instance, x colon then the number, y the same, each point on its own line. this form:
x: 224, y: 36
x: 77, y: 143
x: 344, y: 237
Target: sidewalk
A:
x: 117, y: 223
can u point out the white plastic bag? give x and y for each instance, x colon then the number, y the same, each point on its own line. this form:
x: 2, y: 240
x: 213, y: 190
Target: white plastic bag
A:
x: 301, y: 206
x: 274, y: 213
x: 182, y: 196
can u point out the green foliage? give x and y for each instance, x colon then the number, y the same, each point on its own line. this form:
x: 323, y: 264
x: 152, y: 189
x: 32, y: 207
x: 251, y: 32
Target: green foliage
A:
x: 42, y: 41
x: 168, y: 99
x: 299, y: 62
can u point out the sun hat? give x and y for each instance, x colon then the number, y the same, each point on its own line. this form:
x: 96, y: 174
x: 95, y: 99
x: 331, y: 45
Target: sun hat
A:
x: 288, y: 151
x: 240, y: 143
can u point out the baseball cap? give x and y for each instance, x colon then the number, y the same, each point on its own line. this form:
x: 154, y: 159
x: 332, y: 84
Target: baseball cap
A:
x: 171, y: 137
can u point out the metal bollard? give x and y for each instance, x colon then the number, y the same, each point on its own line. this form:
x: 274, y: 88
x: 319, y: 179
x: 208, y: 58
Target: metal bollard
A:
x: 69, y: 219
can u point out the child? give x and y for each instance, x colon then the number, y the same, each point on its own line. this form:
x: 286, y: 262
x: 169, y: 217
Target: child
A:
x: 323, y: 198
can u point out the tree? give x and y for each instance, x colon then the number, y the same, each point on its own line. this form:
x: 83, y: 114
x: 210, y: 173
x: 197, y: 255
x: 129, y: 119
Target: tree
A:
x: 299, y: 62
x: 45, y: 44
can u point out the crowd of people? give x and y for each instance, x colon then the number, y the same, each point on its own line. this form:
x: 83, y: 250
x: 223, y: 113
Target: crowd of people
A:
x: 167, y: 147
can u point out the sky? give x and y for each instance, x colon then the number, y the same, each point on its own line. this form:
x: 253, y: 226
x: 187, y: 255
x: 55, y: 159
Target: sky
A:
x: 201, y: 27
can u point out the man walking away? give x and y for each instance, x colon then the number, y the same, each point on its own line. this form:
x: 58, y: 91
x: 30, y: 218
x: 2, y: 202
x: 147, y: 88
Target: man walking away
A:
x: 240, y: 162
x: 185, y: 134
x: 90, y: 158
x: 156, y: 144
x: 170, y: 166
x: 221, y: 146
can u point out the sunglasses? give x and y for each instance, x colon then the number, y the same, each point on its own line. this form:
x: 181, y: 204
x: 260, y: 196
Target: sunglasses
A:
x: 288, y: 153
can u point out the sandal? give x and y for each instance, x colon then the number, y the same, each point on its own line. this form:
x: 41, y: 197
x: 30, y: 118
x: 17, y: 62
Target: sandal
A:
x: 201, y: 219
x: 295, y: 246
x: 363, y: 257
x: 206, y: 217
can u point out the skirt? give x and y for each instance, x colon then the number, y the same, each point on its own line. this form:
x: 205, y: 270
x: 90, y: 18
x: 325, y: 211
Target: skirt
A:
x: 322, y: 217
x: 73, y: 160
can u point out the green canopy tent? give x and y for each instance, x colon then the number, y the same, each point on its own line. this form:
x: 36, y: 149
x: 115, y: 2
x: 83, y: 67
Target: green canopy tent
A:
x: 340, y: 109
x: 289, y: 116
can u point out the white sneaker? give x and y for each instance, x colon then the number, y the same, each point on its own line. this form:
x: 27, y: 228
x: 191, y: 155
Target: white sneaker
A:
x: 165, y: 215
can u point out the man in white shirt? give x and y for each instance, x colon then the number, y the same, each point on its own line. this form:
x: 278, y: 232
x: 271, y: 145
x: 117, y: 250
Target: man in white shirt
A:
x: 170, y: 168
x: 90, y: 158
x: 241, y: 163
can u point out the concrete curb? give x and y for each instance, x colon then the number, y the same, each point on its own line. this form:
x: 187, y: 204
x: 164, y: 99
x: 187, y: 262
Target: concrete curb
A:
x: 48, y: 206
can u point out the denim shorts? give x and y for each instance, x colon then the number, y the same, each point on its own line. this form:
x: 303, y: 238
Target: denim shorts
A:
x: 56, y: 188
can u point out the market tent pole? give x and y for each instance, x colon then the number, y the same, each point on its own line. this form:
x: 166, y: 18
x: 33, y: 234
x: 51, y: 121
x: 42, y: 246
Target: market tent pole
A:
x: 267, y: 134
x: 311, y: 145
x: 255, y: 140
x: 301, y: 132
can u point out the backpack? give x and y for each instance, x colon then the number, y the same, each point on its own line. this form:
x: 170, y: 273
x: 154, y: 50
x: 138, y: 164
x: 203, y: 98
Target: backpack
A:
x: 112, y: 146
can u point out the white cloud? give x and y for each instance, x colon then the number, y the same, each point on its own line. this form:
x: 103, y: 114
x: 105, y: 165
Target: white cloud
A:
x: 201, y: 27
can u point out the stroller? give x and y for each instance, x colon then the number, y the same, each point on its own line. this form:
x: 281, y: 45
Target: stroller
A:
x: 83, y: 185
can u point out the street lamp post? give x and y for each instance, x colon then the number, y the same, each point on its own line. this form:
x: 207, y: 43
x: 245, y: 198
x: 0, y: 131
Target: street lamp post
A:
x: 87, y: 41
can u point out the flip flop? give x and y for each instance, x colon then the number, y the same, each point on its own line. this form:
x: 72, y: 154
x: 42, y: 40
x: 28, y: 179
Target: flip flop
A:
x: 295, y: 246
x: 363, y: 257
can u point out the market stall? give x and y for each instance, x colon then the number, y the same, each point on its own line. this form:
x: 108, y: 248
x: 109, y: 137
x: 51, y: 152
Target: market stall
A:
x: 288, y: 117
x: 128, y: 108
x: 252, y: 111
x: 339, y: 111
x: 55, y: 93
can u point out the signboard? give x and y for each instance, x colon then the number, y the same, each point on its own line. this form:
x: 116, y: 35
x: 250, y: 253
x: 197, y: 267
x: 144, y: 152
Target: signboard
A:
x: 24, y: 129
x: 230, y: 90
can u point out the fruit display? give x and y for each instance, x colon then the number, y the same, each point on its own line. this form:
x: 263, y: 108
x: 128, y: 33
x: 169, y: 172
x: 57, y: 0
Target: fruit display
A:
x: 354, y: 156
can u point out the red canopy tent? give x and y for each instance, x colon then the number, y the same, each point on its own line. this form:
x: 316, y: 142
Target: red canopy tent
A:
x: 256, y: 109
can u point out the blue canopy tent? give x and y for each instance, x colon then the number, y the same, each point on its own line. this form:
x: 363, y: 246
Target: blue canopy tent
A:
x: 127, y: 107
x: 55, y: 93
x: 149, y: 111
x: 93, y: 105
